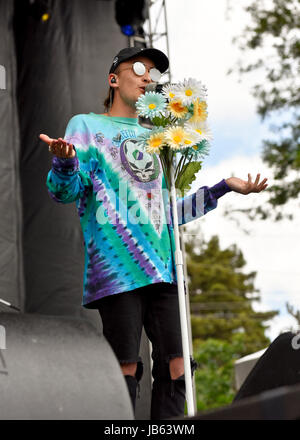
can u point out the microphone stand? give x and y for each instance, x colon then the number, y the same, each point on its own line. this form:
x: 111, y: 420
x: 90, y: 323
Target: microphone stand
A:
x: 182, y: 304
x: 154, y: 87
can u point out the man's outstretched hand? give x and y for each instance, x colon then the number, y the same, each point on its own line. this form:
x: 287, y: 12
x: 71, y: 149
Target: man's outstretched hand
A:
x: 59, y: 147
x: 247, y: 186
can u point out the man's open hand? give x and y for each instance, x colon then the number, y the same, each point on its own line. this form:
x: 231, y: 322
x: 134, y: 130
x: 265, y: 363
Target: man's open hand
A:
x: 247, y: 186
x: 59, y: 147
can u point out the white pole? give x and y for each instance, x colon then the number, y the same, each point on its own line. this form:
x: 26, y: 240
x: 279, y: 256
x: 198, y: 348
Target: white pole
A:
x: 182, y: 305
x: 188, y: 308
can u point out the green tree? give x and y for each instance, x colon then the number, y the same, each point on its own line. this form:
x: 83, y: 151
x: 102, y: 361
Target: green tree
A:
x: 271, y: 41
x: 215, y: 374
x: 221, y: 295
x: 294, y: 313
x: 224, y: 324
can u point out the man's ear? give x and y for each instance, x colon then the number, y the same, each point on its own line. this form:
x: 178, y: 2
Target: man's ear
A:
x: 112, y: 80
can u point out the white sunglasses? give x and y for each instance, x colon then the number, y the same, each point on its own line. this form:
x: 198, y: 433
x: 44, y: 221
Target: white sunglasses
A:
x: 140, y: 70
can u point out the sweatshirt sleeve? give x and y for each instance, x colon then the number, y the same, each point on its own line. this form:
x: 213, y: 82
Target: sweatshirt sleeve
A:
x: 199, y: 203
x: 69, y: 179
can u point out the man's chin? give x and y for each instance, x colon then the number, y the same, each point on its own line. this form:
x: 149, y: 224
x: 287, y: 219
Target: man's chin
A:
x: 133, y: 101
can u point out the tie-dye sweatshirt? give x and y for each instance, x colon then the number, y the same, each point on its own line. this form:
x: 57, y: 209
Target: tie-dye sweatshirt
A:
x: 123, y: 205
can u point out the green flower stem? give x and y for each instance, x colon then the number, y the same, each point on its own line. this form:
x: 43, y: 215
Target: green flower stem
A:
x: 164, y: 161
x: 165, y: 174
x: 169, y: 163
x: 178, y: 167
x: 185, y: 158
x: 181, y: 170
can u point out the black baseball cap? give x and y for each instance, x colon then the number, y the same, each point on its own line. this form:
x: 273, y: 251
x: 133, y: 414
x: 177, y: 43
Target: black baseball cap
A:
x: 159, y: 58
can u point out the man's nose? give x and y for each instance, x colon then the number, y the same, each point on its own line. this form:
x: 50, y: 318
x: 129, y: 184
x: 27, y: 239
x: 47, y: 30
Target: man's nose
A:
x: 147, y: 77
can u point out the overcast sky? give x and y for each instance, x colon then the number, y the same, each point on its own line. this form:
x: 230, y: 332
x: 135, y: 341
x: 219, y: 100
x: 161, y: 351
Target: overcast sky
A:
x: 201, y: 47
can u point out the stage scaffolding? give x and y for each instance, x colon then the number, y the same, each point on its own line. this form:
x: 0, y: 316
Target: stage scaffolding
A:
x: 155, y: 30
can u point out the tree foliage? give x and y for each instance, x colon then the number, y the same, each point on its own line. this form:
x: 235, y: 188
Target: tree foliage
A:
x: 221, y: 295
x: 294, y: 313
x: 215, y: 375
x: 271, y: 41
x: 224, y: 324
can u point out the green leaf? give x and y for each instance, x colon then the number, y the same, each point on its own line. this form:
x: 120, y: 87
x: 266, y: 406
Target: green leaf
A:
x: 187, y: 175
x: 160, y: 121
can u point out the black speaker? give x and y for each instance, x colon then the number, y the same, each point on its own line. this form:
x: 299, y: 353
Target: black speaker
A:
x: 278, y: 366
x: 279, y: 404
x: 271, y: 391
x: 58, y: 368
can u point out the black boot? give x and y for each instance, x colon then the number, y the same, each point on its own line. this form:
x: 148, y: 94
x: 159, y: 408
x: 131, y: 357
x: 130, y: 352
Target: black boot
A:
x: 132, y: 385
x: 133, y: 382
x: 168, y: 396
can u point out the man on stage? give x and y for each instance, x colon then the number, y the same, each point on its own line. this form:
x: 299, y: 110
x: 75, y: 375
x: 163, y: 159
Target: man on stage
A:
x: 129, y: 272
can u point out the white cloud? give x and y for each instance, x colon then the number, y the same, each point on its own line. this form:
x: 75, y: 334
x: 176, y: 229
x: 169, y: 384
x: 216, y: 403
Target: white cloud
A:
x: 269, y: 249
x: 200, y: 40
x: 204, y: 50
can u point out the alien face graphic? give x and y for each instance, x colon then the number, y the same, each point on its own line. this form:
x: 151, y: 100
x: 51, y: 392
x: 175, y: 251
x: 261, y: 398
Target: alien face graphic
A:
x: 141, y: 165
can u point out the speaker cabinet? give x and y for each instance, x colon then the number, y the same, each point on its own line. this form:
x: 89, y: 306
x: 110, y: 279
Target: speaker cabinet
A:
x: 58, y: 368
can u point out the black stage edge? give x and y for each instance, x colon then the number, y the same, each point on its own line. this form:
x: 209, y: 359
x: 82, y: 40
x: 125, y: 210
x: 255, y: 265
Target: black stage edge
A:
x: 278, y: 404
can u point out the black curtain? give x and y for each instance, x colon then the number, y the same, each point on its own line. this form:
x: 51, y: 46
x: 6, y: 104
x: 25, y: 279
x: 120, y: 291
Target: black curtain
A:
x: 54, y: 69
x: 62, y: 69
x: 11, y: 264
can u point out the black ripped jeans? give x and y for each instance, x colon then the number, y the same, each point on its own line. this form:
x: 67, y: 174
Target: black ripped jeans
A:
x: 156, y: 308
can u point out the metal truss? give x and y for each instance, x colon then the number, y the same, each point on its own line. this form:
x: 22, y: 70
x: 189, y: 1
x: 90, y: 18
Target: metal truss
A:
x: 156, y: 34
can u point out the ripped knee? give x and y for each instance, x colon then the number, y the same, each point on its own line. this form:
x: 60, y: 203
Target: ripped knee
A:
x: 128, y: 369
x: 176, y: 366
x: 134, y: 369
x: 178, y: 383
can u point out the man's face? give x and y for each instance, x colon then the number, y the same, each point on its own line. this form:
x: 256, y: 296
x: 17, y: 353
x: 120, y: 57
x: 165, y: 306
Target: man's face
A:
x: 130, y: 85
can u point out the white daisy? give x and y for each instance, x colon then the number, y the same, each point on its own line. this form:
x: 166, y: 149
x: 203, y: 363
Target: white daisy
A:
x: 169, y: 91
x: 201, y: 130
x: 190, y: 90
x: 191, y: 138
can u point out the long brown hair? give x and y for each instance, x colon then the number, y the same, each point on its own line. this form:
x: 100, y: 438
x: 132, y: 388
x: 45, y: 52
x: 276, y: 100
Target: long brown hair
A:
x: 108, y: 101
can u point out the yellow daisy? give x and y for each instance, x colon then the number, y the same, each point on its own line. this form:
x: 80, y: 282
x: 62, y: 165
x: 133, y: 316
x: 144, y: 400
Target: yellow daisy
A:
x: 177, y: 109
x: 175, y: 137
x: 200, y: 111
x: 155, y: 143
